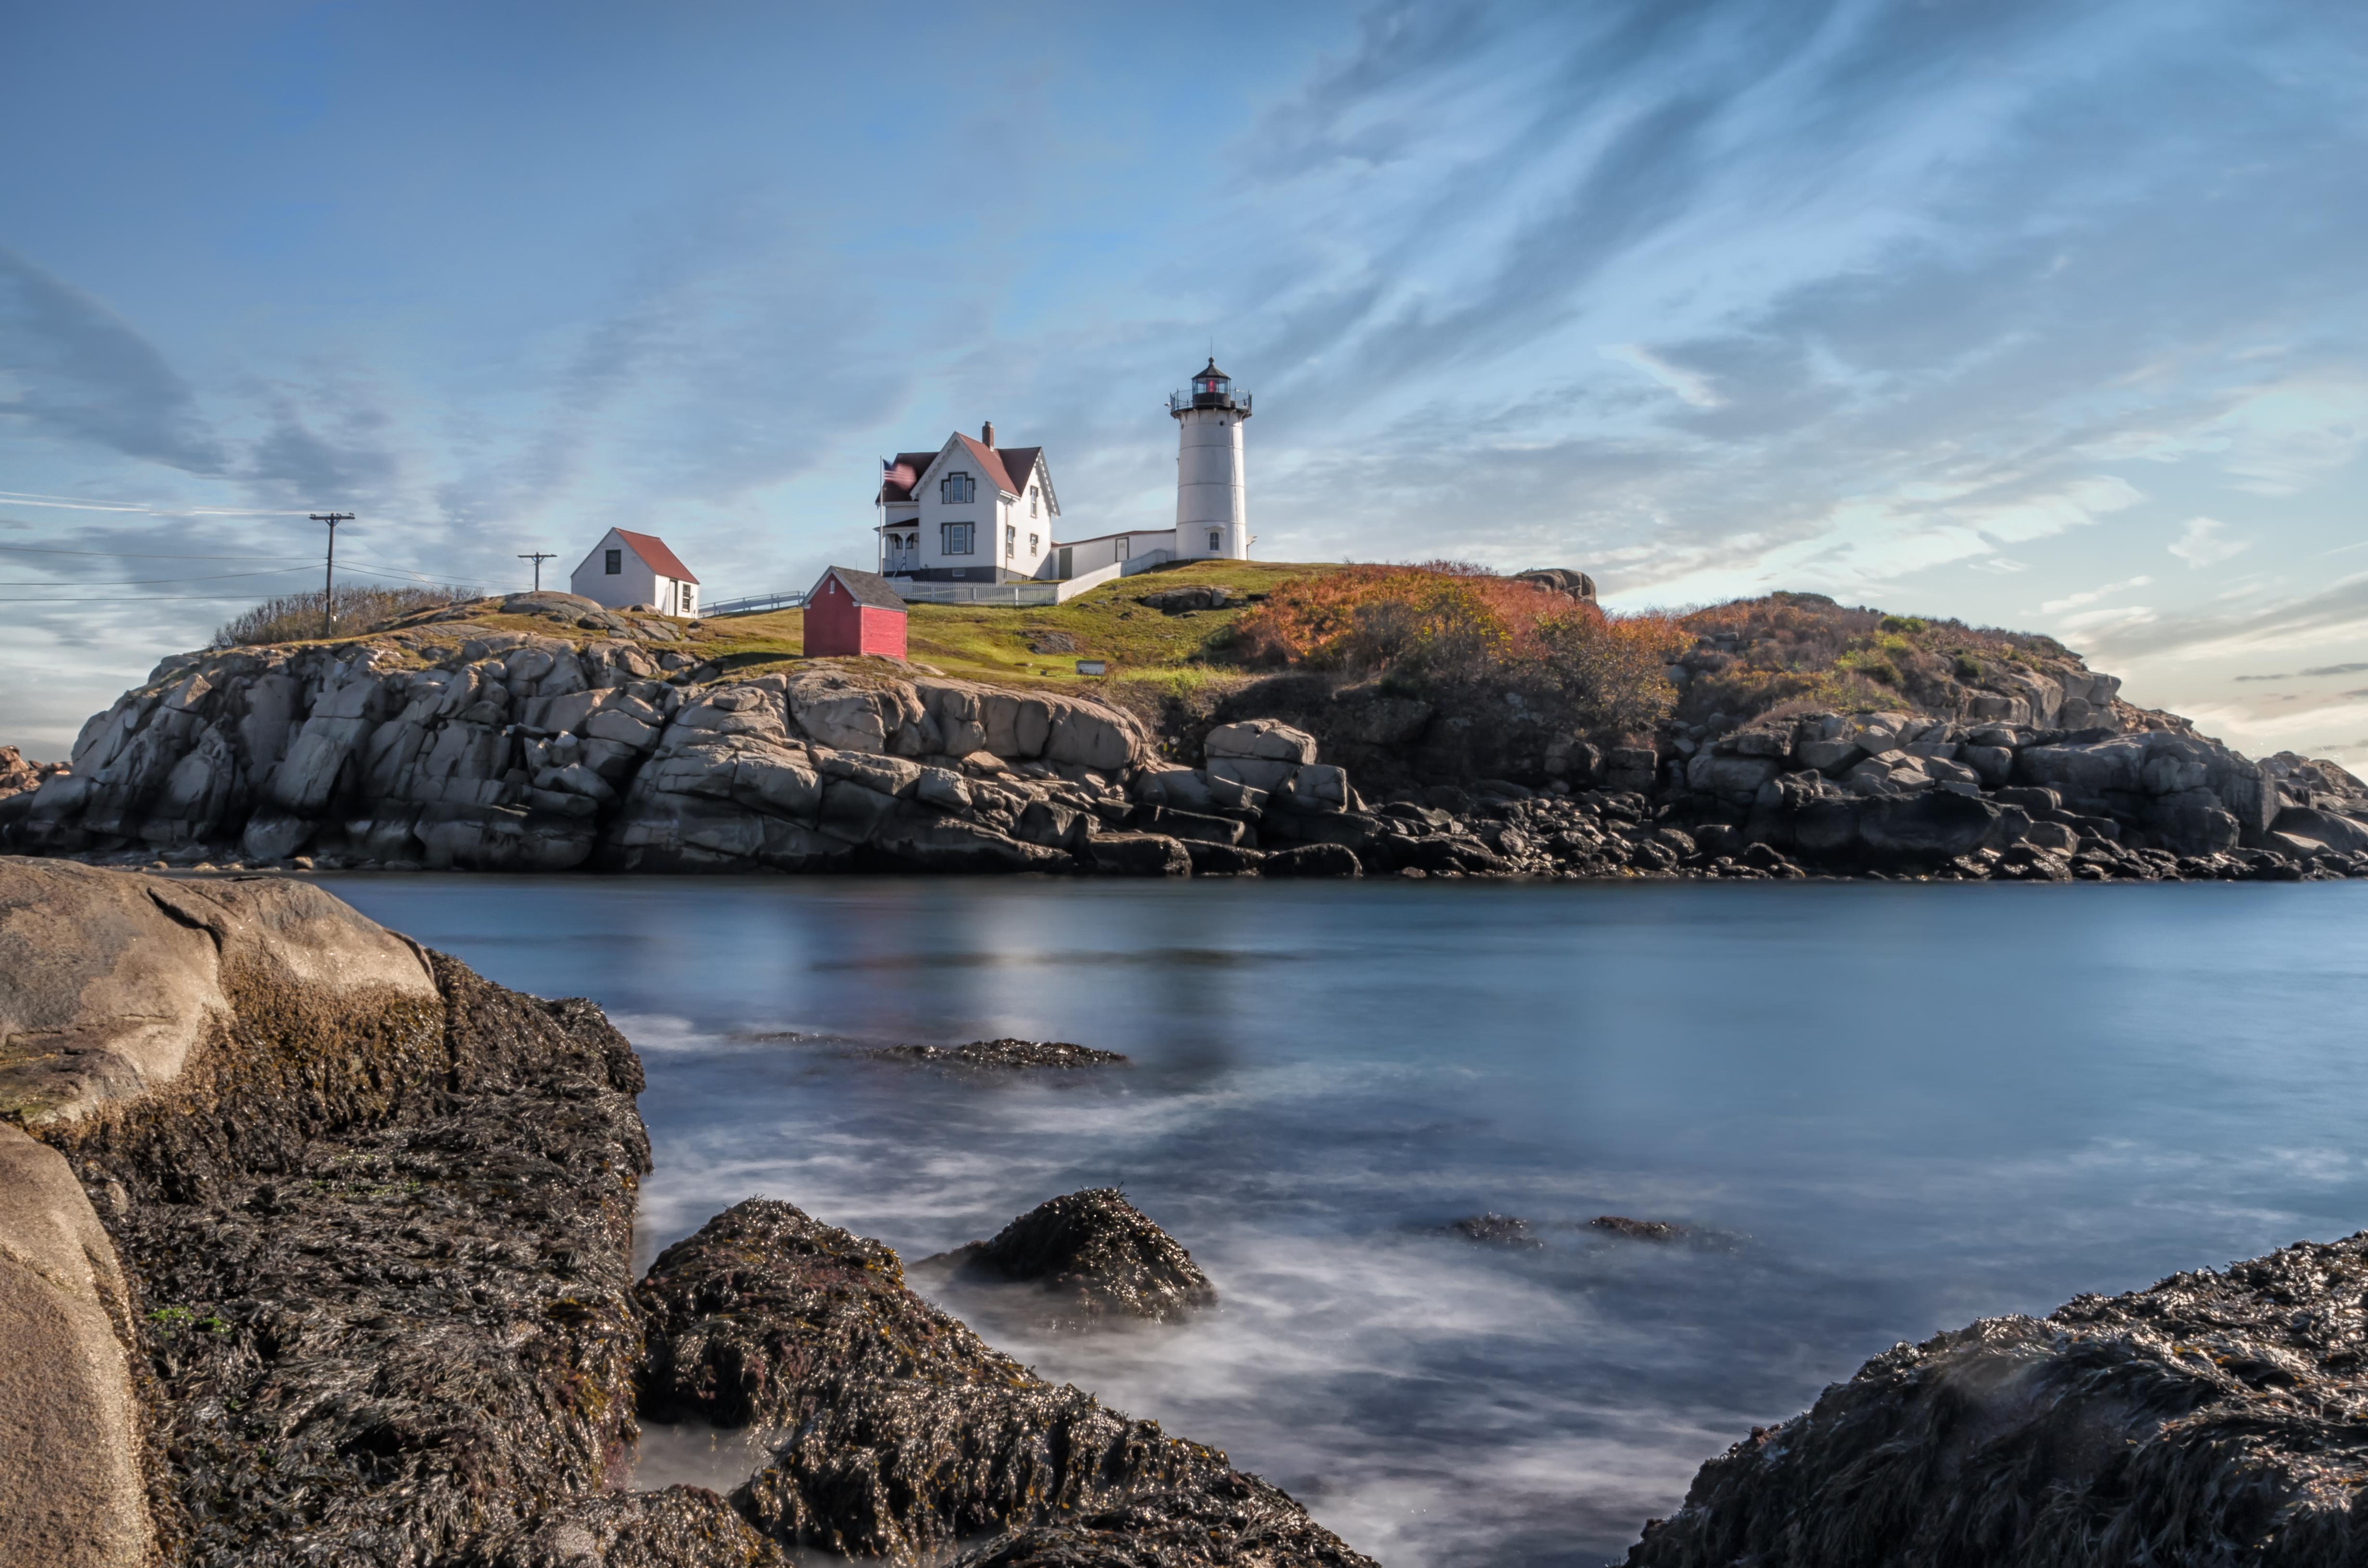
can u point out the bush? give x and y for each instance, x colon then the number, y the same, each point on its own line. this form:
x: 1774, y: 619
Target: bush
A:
x: 1608, y: 675
x: 294, y: 618
x: 1447, y: 628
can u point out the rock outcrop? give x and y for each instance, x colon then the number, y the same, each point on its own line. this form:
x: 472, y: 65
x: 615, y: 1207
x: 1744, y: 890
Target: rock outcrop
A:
x: 1889, y: 793
x: 1568, y: 581
x: 905, y: 1435
x: 18, y: 776
x: 2213, y: 1418
x: 1092, y: 1256
x: 120, y: 987
x: 1004, y: 1055
x: 507, y: 750
x: 73, y: 1436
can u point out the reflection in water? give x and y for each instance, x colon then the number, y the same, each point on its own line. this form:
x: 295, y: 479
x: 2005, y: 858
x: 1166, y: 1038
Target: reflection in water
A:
x: 1896, y: 1108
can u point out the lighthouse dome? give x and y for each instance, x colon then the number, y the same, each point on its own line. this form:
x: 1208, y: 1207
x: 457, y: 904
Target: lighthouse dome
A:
x: 1211, y: 388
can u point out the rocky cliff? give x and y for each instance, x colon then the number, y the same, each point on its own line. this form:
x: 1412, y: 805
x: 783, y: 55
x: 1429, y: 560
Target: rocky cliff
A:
x: 532, y: 736
x: 314, y: 1250
x: 458, y: 745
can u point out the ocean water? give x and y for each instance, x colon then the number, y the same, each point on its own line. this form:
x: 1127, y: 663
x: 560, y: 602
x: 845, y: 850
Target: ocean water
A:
x: 1879, y: 1110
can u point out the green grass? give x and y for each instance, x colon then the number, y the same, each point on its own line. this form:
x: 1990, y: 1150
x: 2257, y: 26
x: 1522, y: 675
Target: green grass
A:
x: 992, y: 643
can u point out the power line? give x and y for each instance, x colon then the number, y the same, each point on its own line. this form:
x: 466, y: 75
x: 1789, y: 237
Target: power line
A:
x: 74, y: 504
x: 139, y: 554
x: 145, y: 582
x: 538, y: 557
x: 142, y: 599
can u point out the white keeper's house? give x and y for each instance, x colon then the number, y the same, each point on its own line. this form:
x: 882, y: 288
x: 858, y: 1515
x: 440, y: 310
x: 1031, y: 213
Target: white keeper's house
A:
x: 974, y: 512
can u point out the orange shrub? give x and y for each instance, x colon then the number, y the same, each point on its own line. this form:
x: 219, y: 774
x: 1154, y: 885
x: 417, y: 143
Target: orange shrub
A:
x: 1449, y: 626
x: 1606, y: 675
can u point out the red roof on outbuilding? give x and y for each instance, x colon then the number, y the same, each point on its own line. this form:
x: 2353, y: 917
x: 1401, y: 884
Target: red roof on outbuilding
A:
x: 656, y: 556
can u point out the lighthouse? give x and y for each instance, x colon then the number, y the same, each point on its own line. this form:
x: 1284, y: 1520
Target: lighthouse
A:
x: 1213, y: 520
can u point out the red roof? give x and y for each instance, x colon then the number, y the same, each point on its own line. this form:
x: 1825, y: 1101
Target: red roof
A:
x: 655, y: 555
x: 986, y: 460
x: 1001, y: 465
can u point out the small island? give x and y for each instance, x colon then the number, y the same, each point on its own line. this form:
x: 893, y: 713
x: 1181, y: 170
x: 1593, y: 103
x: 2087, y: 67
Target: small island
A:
x: 1258, y: 721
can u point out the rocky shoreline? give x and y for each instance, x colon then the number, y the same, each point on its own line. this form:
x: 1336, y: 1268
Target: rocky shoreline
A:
x: 314, y: 1250
x: 597, y: 745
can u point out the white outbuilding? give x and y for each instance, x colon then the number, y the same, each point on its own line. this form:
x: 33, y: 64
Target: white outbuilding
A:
x: 627, y: 569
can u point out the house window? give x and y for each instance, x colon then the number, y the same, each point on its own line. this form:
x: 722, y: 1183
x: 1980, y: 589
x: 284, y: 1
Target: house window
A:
x: 955, y: 489
x: 957, y: 537
x: 1032, y: 545
x: 615, y: 562
x: 1031, y: 500
x: 686, y: 600
x: 1216, y: 539
x: 1010, y: 542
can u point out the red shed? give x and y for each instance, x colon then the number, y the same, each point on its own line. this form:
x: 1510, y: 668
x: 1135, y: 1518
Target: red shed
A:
x: 854, y: 612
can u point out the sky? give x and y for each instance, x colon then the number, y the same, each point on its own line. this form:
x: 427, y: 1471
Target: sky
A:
x: 2043, y: 315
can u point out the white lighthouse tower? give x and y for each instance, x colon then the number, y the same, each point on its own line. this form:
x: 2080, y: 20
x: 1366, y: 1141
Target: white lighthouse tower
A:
x: 1213, y: 519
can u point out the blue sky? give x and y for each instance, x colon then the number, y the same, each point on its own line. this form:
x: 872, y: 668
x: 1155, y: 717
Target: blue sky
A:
x: 2046, y: 316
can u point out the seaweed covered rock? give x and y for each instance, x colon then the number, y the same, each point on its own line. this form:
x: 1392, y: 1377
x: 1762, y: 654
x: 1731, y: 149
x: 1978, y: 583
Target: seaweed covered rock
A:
x: 1637, y: 1229
x: 1233, y: 1522
x: 1097, y: 1256
x: 362, y: 1223
x: 413, y: 1334
x: 1493, y: 1229
x: 1009, y: 1054
x: 2213, y: 1418
x: 682, y: 1527
x: 906, y: 1436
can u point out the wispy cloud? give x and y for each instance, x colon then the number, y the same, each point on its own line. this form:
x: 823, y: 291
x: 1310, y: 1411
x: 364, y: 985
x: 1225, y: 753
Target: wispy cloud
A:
x: 2205, y: 542
x: 79, y: 371
x: 1695, y: 388
x: 2090, y: 596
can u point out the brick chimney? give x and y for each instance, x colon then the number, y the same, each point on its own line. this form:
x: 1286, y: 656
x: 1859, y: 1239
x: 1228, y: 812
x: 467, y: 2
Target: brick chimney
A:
x: 986, y: 435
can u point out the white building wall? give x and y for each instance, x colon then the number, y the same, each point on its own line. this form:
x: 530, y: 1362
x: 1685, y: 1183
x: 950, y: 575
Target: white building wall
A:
x: 1212, y: 495
x: 1087, y: 554
x: 1027, y: 561
x: 633, y: 584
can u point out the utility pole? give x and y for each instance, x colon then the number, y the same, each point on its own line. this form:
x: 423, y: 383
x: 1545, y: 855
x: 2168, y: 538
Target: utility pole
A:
x: 538, y: 557
x: 329, y: 575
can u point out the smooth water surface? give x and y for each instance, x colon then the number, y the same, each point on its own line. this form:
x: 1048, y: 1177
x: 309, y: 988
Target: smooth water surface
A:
x: 1882, y: 1109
